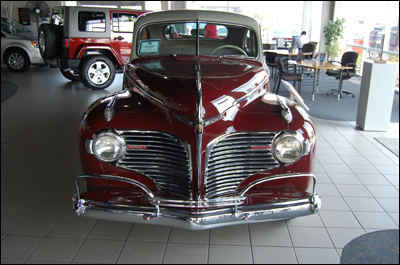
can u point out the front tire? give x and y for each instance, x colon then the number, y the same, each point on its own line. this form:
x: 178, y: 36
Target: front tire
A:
x: 97, y: 72
x: 17, y: 60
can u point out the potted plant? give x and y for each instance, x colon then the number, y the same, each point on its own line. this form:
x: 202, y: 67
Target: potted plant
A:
x: 333, y: 33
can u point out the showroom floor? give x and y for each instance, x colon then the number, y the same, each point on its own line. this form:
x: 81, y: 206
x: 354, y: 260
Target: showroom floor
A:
x: 358, y: 180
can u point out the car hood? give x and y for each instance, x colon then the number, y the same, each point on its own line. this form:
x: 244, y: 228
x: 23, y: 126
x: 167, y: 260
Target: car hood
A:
x: 22, y: 36
x: 224, y: 82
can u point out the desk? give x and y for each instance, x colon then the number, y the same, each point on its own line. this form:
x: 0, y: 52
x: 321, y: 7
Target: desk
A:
x: 317, y: 66
x: 286, y: 52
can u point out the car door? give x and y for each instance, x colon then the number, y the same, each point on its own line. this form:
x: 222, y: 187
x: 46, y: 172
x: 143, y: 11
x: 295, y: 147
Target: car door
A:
x: 121, y: 32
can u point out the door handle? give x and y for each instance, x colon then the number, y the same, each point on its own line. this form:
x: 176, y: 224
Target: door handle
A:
x: 118, y: 38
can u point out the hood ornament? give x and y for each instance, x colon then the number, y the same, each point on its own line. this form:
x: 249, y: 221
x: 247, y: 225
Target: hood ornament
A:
x: 286, y: 113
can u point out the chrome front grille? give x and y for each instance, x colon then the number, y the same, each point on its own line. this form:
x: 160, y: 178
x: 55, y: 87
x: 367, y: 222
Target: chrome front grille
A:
x: 232, y: 158
x: 160, y: 156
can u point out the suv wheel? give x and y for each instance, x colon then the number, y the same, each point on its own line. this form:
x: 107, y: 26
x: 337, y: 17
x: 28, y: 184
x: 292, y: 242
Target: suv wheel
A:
x: 71, y: 74
x: 47, y: 41
x: 97, y: 72
x: 17, y: 60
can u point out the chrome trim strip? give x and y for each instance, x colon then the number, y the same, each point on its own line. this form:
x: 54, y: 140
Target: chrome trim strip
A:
x: 293, y: 175
x: 199, y: 124
x: 200, y: 220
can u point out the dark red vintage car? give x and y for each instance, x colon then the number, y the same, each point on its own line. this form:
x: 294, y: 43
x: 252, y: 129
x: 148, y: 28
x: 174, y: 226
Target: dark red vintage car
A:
x: 195, y: 139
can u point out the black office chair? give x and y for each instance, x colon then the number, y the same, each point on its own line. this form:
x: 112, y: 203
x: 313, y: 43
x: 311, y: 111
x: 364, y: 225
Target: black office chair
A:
x: 270, y: 60
x: 308, y: 47
x: 286, y: 76
x: 266, y: 46
x: 348, y: 59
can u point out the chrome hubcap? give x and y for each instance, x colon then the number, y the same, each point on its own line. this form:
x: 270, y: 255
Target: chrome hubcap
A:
x: 16, y: 61
x: 99, y: 73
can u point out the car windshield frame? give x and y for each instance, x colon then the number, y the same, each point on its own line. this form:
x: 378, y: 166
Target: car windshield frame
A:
x: 201, y: 42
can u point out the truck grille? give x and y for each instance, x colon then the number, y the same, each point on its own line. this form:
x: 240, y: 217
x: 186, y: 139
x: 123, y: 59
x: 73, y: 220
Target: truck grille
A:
x: 160, y: 156
x: 232, y: 158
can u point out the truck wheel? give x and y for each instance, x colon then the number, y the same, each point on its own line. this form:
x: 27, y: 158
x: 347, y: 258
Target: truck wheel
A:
x: 97, y: 72
x: 47, y: 41
x: 17, y: 60
x: 72, y: 75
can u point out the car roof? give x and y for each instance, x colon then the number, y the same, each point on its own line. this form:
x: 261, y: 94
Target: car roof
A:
x: 190, y: 14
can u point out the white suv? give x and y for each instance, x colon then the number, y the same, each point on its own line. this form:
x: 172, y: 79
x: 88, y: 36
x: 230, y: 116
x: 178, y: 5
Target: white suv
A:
x: 19, y: 48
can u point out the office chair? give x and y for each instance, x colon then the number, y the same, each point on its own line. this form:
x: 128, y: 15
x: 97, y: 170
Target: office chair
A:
x: 286, y: 76
x: 308, y: 47
x: 266, y: 46
x: 270, y: 60
x: 348, y: 59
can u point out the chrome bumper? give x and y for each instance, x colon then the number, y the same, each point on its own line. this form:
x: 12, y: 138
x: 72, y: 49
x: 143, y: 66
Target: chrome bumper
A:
x: 175, y: 213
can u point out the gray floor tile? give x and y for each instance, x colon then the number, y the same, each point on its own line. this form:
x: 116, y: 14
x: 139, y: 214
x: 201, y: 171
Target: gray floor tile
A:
x: 383, y: 191
x: 339, y: 219
x: 363, y: 204
x: 110, y: 230
x: 19, y: 247
x: 51, y: 208
x: 18, y: 206
x: 135, y: 252
x: 342, y: 236
x: 270, y: 236
x: 340, y: 178
x: 327, y: 190
x: 35, y: 225
x: 317, y: 256
x: 99, y: 251
x: 337, y: 168
x: 385, y: 169
x: 355, y: 160
x: 179, y: 235
x: 353, y: 190
x: 310, y: 221
x: 9, y: 221
x: 376, y: 179
x: 186, y: 254
x: 143, y: 232
x: 73, y: 227
x: 57, y: 249
x: 274, y: 255
x: 231, y: 235
x: 314, y: 237
x: 334, y: 204
x: 391, y: 205
x: 374, y: 220
x: 222, y: 254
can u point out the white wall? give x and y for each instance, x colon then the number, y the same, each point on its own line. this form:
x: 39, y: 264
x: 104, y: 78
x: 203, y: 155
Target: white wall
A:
x: 14, y: 5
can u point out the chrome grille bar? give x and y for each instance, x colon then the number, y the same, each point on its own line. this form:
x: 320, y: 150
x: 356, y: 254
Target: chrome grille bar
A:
x: 160, y: 156
x: 234, y: 157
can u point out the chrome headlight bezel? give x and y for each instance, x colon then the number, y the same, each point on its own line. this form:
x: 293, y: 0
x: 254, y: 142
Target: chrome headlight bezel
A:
x: 303, y: 147
x: 119, y: 141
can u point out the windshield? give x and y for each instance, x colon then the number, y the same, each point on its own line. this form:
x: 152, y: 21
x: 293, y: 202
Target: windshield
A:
x: 16, y: 27
x: 217, y: 39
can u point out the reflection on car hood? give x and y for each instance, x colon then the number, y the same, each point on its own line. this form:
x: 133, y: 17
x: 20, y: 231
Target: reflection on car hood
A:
x: 223, y: 81
x: 23, y: 36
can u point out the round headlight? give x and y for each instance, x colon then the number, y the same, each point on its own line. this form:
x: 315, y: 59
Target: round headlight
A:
x: 287, y: 149
x: 108, y: 147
